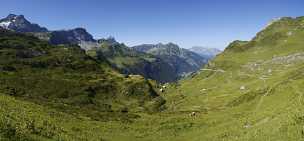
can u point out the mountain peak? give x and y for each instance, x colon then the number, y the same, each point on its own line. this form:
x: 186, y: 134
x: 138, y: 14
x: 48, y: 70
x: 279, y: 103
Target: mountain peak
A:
x: 72, y: 36
x: 11, y: 16
x: 14, y: 16
x: 171, y: 44
x: 110, y: 40
x: 19, y: 23
x: 80, y: 29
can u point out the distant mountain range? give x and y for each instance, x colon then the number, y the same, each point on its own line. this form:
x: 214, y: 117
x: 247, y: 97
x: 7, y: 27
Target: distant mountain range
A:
x: 129, y: 61
x: 182, y: 60
x: 161, y: 62
x: 205, y: 51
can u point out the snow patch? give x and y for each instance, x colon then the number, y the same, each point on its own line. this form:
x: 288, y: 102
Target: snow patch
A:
x: 5, y: 24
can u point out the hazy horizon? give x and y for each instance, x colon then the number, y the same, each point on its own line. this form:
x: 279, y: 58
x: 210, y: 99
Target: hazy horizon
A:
x: 187, y: 23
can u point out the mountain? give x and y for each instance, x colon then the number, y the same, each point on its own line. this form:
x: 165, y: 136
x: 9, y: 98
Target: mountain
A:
x: 74, y: 36
x: 77, y: 36
x: 121, y: 57
x: 251, y: 91
x: 129, y: 61
x: 19, y: 24
x: 205, y: 52
x: 65, y: 79
x: 182, y: 60
x: 162, y: 62
x: 146, y: 47
x: 110, y: 40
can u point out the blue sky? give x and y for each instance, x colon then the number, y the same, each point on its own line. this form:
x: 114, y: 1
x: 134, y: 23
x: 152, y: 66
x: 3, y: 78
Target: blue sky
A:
x: 212, y: 23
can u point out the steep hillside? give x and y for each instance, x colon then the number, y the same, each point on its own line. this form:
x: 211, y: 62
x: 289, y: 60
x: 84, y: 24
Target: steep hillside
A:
x: 65, y: 78
x: 251, y: 91
x: 182, y: 60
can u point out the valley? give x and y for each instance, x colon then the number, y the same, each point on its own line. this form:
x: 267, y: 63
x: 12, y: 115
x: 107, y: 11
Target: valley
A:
x: 61, y: 90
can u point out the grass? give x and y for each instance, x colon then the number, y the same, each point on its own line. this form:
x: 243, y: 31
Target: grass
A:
x: 66, y: 79
x: 251, y: 92
x: 268, y: 107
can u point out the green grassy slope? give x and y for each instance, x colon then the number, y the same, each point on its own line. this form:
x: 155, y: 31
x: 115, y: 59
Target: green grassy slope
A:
x: 23, y: 120
x: 252, y: 91
x: 67, y: 79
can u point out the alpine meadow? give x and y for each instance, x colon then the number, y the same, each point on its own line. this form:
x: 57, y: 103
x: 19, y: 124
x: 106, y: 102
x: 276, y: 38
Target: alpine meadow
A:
x: 152, y: 70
